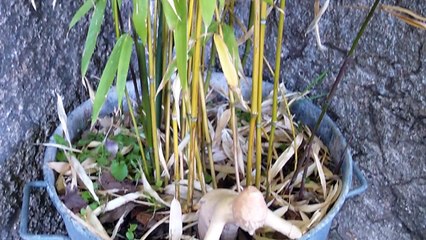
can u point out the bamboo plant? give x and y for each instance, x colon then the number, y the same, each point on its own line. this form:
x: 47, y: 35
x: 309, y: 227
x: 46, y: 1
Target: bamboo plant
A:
x: 179, y: 142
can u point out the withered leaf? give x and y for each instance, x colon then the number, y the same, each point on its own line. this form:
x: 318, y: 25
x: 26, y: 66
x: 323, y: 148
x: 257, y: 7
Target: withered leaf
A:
x: 108, y: 182
x: 115, y: 214
x: 73, y: 200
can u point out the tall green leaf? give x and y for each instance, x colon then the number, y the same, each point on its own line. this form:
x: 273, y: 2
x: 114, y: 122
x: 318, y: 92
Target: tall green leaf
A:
x: 92, y: 35
x: 123, y: 66
x: 87, y: 5
x: 106, y: 79
x: 207, y: 11
x: 170, y: 12
x: 230, y: 40
x: 181, y: 45
x: 139, y: 17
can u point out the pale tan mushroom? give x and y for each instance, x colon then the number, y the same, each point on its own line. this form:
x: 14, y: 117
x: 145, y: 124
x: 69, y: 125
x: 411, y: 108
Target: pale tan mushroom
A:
x: 246, y: 210
x: 210, y: 203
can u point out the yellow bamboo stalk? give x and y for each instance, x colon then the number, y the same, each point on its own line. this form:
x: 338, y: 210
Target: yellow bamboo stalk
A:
x: 234, y: 139
x: 200, y: 174
x: 255, y: 88
x: 275, y: 92
x: 259, y: 97
x: 196, y: 59
x: 189, y: 20
x: 176, y: 151
x: 207, y: 136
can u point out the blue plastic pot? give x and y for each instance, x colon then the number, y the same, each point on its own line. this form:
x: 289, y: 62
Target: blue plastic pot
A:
x: 79, y: 119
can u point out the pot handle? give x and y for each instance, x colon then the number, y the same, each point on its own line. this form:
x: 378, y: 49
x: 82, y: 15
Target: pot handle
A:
x: 363, y: 181
x: 23, y: 228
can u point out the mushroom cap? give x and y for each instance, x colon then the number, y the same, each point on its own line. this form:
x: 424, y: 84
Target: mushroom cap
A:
x: 250, y: 210
x: 209, y: 205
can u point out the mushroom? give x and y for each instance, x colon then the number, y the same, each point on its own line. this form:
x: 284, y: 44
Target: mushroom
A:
x: 223, y: 208
x: 210, y: 203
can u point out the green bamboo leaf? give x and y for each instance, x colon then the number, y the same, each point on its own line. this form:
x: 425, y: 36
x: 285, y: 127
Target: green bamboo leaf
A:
x: 106, y: 79
x: 139, y: 17
x: 181, y: 45
x: 207, y: 11
x: 81, y: 12
x: 123, y: 66
x: 230, y: 40
x: 92, y: 35
x: 171, y: 15
x: 231, y: 43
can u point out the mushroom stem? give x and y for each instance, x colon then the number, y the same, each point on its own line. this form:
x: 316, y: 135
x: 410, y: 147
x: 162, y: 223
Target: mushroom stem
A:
x: 215, y: 230
x: 282, y: 226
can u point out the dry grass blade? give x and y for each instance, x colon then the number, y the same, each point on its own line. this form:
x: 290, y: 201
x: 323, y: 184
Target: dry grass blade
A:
x: 284, y: 157
x: 117, y: 202
x: 162, y: 159
x: 315, y: 217
x: 81, y: 173
x: 316, y: 149
x: 175, y: 225
x: 89, y: 88
x: 59, y: 146
x: 60, y: 167
x: 145, y: 236
x: 309, y: 208
x: 151, y: 192
x: 406, y: 15
x: 221, y: 124
x: 63, y: 118
x: 281, y: 211
x: 181, y: 146
x: 318, y: 16
x: 176, y: 91
x: 314, y: 24
x: 118, y: 224
x: 93, y: 221
x: 33, y: 4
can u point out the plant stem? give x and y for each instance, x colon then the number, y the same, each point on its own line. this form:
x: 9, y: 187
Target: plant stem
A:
x: 248, y: 42
x: 167, y: 98
x: 200, y: 168
x: 207, y: 136
x: 146, y: 123
x: 135, y: 124
x: 212, y: 61
x: 153, y: 119
x: 234, y: 138
x: 176, y: 151
x: 160, y: 55
x: 194, y: 94
x: 262, y: 24
x: 275, y: 92
x: 333, y: 89
x: 255, y: 89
